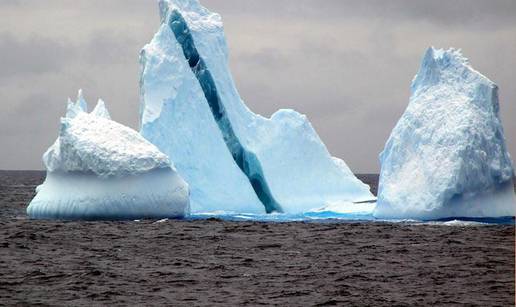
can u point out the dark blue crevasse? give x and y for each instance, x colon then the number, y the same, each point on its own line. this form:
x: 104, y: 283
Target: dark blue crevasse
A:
x: 246, y: 160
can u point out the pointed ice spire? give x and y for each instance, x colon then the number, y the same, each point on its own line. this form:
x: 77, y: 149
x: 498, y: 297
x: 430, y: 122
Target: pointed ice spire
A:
x: 163, y: 10
x: 447, y: 66
x: 100, y: 110
x: 428, y: 71
x: 72, y: 109
x: 81, y: 102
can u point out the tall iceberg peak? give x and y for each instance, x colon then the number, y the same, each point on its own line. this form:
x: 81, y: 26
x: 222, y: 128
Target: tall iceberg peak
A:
x: 100, y: 169
x: 176, y: 117
x: 447, y: 156
x: 185, y: 69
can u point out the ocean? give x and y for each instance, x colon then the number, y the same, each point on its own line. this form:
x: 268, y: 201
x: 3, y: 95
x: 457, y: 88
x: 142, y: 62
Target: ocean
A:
x: 220, y: 262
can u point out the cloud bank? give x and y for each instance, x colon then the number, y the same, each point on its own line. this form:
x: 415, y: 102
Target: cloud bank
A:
x: 346, y: 64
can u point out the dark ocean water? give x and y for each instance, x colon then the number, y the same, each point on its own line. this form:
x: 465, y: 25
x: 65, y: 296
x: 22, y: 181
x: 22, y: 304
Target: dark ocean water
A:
x: 213, y: 262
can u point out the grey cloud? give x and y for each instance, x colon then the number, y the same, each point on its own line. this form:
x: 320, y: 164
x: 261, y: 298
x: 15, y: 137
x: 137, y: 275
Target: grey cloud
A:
x: 266, y: 57
x: 7, y: 3
x: 28, y: 129
x: 109, y: 48
x: 465, y: 13
x: 42, y: 54
x: 314, y: 77
x: 36, y: 55
x: 346, y: 64
x: 457, y: 13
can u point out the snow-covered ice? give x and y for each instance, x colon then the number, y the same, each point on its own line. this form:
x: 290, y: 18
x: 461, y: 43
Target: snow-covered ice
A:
x: 233, y: 159
x: 99, y: 169
x: 447, y: 156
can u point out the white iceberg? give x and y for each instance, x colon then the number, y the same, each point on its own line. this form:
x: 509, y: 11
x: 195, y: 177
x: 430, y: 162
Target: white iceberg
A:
x: 99, y: 169
x: 447, y: 156
x: 192, y: 111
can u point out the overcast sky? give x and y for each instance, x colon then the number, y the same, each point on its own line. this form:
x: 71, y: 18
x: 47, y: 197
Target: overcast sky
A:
x: 346, y: 64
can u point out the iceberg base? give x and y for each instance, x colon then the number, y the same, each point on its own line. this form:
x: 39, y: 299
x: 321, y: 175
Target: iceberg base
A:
x: 497, y: 202
x: 160, y: 193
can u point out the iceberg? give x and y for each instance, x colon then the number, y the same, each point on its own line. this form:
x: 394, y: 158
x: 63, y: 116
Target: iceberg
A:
x: 177, y: 119
x: 99, y: 169
x: 447, y: 155
x: 233, y: 159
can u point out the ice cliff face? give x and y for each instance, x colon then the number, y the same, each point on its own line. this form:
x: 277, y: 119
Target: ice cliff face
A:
x: 268, y: 164
x: 177, y: 118
x: 447, y: 156
x: 99, y: 169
